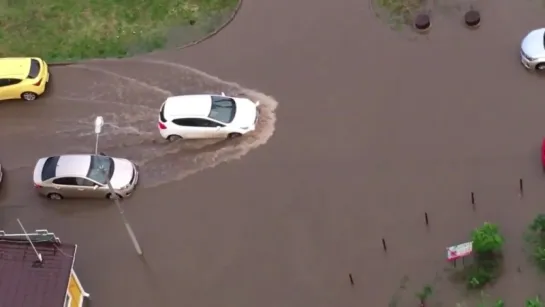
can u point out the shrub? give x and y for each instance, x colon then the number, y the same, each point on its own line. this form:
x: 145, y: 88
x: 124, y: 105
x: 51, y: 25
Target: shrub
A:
x: 535, y: 236
x: 424, y: 294
x: 487, y: 239
x: 534, y: 302
x: 487, y: 246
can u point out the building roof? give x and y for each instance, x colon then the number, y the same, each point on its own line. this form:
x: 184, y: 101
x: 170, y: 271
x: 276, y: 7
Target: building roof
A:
x: 27, y: 282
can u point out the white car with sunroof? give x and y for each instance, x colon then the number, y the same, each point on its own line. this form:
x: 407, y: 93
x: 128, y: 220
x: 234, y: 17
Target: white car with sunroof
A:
x: 207, y: 117
x: 84, y: 176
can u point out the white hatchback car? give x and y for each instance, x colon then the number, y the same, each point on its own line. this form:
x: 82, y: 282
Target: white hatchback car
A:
x: 206, y: 117
x: 532, y: 50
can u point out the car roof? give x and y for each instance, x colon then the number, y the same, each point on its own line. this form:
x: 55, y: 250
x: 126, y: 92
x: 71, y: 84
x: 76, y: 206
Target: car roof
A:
x: 73, y: 165
x: 14, y: 67
x: 187, y: 106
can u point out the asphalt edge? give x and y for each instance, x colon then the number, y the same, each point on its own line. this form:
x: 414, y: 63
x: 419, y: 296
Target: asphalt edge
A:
x: 190, y: 44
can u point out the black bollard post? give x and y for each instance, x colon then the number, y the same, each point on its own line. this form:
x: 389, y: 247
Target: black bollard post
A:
x: 521, y: 188
x: 427, y: 220
x: 472, y: 198
x: 384, y: 244
x: 351, y: 279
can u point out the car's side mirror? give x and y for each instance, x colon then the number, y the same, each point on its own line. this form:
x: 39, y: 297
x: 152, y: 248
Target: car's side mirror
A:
x: 95, y: 187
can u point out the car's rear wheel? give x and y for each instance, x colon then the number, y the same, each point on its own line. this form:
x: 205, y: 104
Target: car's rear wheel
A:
x: 234, y: 135
x: 112, y: 196
x: 29, y: 96
x: 54, y: 196
x: 173, y: 138
x: 540, y: 66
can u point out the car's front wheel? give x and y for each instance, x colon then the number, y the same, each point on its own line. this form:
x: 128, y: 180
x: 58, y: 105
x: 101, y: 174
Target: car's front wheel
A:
x: 173, y: 138
x: 54, y: 196
x: 540, y: 66
x: 234, y: 135
x: 29, y: 96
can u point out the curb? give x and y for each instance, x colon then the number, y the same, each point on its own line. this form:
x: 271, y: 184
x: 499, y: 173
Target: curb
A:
x: 193, y: 43
x: 213, y: 33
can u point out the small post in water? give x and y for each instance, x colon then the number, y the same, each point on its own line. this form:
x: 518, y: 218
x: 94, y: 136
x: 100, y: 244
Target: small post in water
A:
x: 426, y: 217
x: 384, y: 244
x: 351, y: 279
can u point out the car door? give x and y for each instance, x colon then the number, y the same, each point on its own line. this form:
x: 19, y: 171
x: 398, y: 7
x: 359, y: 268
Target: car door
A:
x: 218, y: 130
x: 15, y: 89
x: 86, y: 188
x: 65, y: 186
x: 187, y: 128
x: 210, y: 129
x: 4, y: 89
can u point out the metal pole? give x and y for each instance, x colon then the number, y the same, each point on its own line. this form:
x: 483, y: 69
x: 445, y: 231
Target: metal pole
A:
x: 96, y: 145
x: 125, y: 221
x: 99, y: 122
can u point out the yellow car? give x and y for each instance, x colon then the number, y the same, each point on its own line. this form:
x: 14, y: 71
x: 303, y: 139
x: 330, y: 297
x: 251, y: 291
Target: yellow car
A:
x: 22, y: 78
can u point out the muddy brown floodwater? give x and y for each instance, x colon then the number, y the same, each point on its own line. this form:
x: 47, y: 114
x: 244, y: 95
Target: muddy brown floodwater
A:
x: 374, y: 127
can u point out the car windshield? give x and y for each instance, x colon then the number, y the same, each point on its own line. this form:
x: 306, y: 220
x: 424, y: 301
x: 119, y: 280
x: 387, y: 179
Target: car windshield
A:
x: 101, y: 169
x: 50, y: 167
x: 223, y: 109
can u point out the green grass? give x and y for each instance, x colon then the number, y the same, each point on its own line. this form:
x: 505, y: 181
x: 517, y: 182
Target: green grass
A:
x: 77, y: 29
x: 400, y: 12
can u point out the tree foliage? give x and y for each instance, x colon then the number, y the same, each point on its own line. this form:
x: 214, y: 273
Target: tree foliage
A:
x: 487, y: 239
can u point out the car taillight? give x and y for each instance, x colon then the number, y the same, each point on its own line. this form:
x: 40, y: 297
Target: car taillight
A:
x: 38, y: 83
x: 161, y: 126
x: 37, y: 186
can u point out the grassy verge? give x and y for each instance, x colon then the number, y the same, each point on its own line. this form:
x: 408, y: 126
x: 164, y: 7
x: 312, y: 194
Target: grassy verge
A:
x: 76, y: 29
x: 399, y: 12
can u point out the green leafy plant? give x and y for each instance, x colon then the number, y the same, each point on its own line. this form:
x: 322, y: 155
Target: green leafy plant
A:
x: 487, y: 239
x: 534, y: 302
x: 400, y: 12
x: 538, y: 224
x: 487, y: 246
x: 535, y: 236
x: 424, y: 294
x: 486, y: 303
x: 479, y: 275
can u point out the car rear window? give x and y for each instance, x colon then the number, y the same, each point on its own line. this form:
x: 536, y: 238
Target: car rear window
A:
x: 35, y: 68
x: 162, y: 114
x: 50, y: 167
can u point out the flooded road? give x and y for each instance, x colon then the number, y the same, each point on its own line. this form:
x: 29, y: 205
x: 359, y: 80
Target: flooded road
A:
x: 375, y: 127
x: 63, y: 121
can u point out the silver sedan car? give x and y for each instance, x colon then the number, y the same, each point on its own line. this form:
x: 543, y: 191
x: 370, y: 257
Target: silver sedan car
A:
x: 84, y: 176
x: 532, y: 50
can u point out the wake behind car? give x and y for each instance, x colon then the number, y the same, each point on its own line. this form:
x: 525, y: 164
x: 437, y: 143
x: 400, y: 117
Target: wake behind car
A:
x: 206, y: 116
x: 23, y: 78
x: 84, y: 176
x: 532, y: 50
